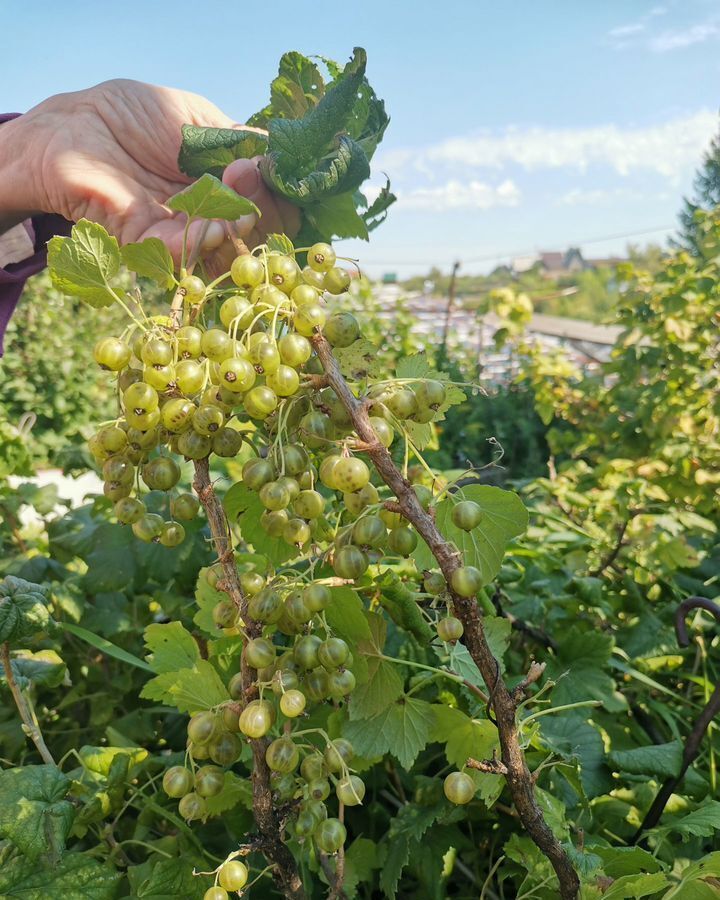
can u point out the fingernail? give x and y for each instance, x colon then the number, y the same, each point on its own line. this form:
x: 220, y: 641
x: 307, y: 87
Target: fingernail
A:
x: 245, y: 224
x: 214, y: 236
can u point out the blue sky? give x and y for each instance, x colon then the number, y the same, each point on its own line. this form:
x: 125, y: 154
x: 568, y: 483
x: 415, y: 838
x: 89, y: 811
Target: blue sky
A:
x: 515, y: 126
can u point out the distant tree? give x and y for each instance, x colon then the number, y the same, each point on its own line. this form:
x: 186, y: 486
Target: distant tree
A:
x: 706, y: 196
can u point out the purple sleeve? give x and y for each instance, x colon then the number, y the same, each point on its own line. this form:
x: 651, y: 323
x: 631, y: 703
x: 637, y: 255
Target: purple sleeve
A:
x: 13, y: 276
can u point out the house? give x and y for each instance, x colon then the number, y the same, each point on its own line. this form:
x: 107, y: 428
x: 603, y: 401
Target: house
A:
x: 556, y: 264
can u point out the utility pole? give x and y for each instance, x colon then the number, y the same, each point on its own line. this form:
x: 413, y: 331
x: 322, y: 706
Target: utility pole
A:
x: 442, y: 353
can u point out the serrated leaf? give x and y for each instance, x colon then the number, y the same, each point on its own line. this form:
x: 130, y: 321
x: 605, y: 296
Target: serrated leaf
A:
x: 581, y: 659
x: 24, y: 609
x: 633, y: 887
x: 171, y: 646
x: 378, y: 210
x: 299, y: 141
x: 211, y: 150
x: 402, y: 729
x: 84, y: 264
x: 465, y: 737
x: 243, y: 507
x: 504, y: 518
x: 189, y: 690
x: 151, y: 259
x: 209, y: 198
x: 339, y: 171
x: 171, y: 879
x: 235, y: 790
x: 702, y: 822
x: 662, y: 760
x: 382, y: 684
x: 576, y: 740
x: 337, y: 217
x: 34, y: 814
x: 44, y: 668
x: 359, y: 361
x: 74, y: 877
x: 298, y: 87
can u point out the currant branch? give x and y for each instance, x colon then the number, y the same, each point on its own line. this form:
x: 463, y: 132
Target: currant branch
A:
x: 518, y: 776
x: 267, y: 819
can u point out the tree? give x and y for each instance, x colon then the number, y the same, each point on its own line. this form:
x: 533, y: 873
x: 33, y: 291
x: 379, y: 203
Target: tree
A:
x: 706, y: 196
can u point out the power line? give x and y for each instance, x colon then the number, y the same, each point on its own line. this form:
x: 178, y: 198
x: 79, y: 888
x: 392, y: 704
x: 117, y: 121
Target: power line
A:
x: 525, y: 252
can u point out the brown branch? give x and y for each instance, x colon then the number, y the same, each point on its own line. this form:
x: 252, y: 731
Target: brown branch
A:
x: 336, y: 885
x: 697, y: 733
x: 490, y: 766
x: 30, y: 725
x: 267, y: 817
x: 519, y: 779
x: 534, y: 674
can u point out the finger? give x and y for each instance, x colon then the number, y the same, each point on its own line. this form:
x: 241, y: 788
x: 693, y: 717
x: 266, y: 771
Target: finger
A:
x: 278, y: 216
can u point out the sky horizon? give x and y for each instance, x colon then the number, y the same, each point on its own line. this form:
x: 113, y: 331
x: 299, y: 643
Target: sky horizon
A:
x: 512, y: 130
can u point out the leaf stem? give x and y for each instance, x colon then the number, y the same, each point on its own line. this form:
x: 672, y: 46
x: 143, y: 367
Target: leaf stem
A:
x: 27, y: 715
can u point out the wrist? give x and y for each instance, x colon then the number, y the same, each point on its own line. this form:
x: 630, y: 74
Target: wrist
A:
x: 17, y: 188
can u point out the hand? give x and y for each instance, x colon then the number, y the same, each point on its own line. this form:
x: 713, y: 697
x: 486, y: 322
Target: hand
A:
x: 109, y: 154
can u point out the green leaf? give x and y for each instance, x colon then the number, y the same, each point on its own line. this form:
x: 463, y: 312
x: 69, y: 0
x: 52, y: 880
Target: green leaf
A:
x: 702, y: 822
x: 580, y: 669
x: 106, y: 646
x: 302, y: 141
x: 383, y: 684
x: 171, y: 646
x: 576, y: 740
x: 693, y: 885
x: 171, y: 879
x: 347, y: 618
x: 74, y: 877
x: 24, y: 609
x: 404, y: 835
x: 151, y: 259
x: 362, y: 857
x: 630, y: 887
x: 211, y: 150
x: 280, y: 243
x: 189, y: 690
x: 34, y: 814
x: 243, y: 507
x: 297, y: 88
x: 235, y: 790
x: 619, y: 861
x: 504, y: 518
x: 207, y: 598
x: 359, y: 361
x: 465, y: 737
x: 209, y: 198
x: 83, y: 264
x: 402, y: 729
x: 100, y: 759
x: 44, y: 668
x: 337, y: 217
x: 377, y: 211
x: 662, y: 760
x: 340, y: 171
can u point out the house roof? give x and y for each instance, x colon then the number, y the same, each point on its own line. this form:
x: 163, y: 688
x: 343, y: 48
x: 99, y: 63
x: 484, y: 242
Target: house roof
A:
x: 553, y: 260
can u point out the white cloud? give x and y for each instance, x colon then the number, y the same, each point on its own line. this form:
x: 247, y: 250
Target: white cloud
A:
x: 669, y: 149
x: 596, y: 196
x: 457, y: 195
x: 623, y: 31
x: 681, y: 38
